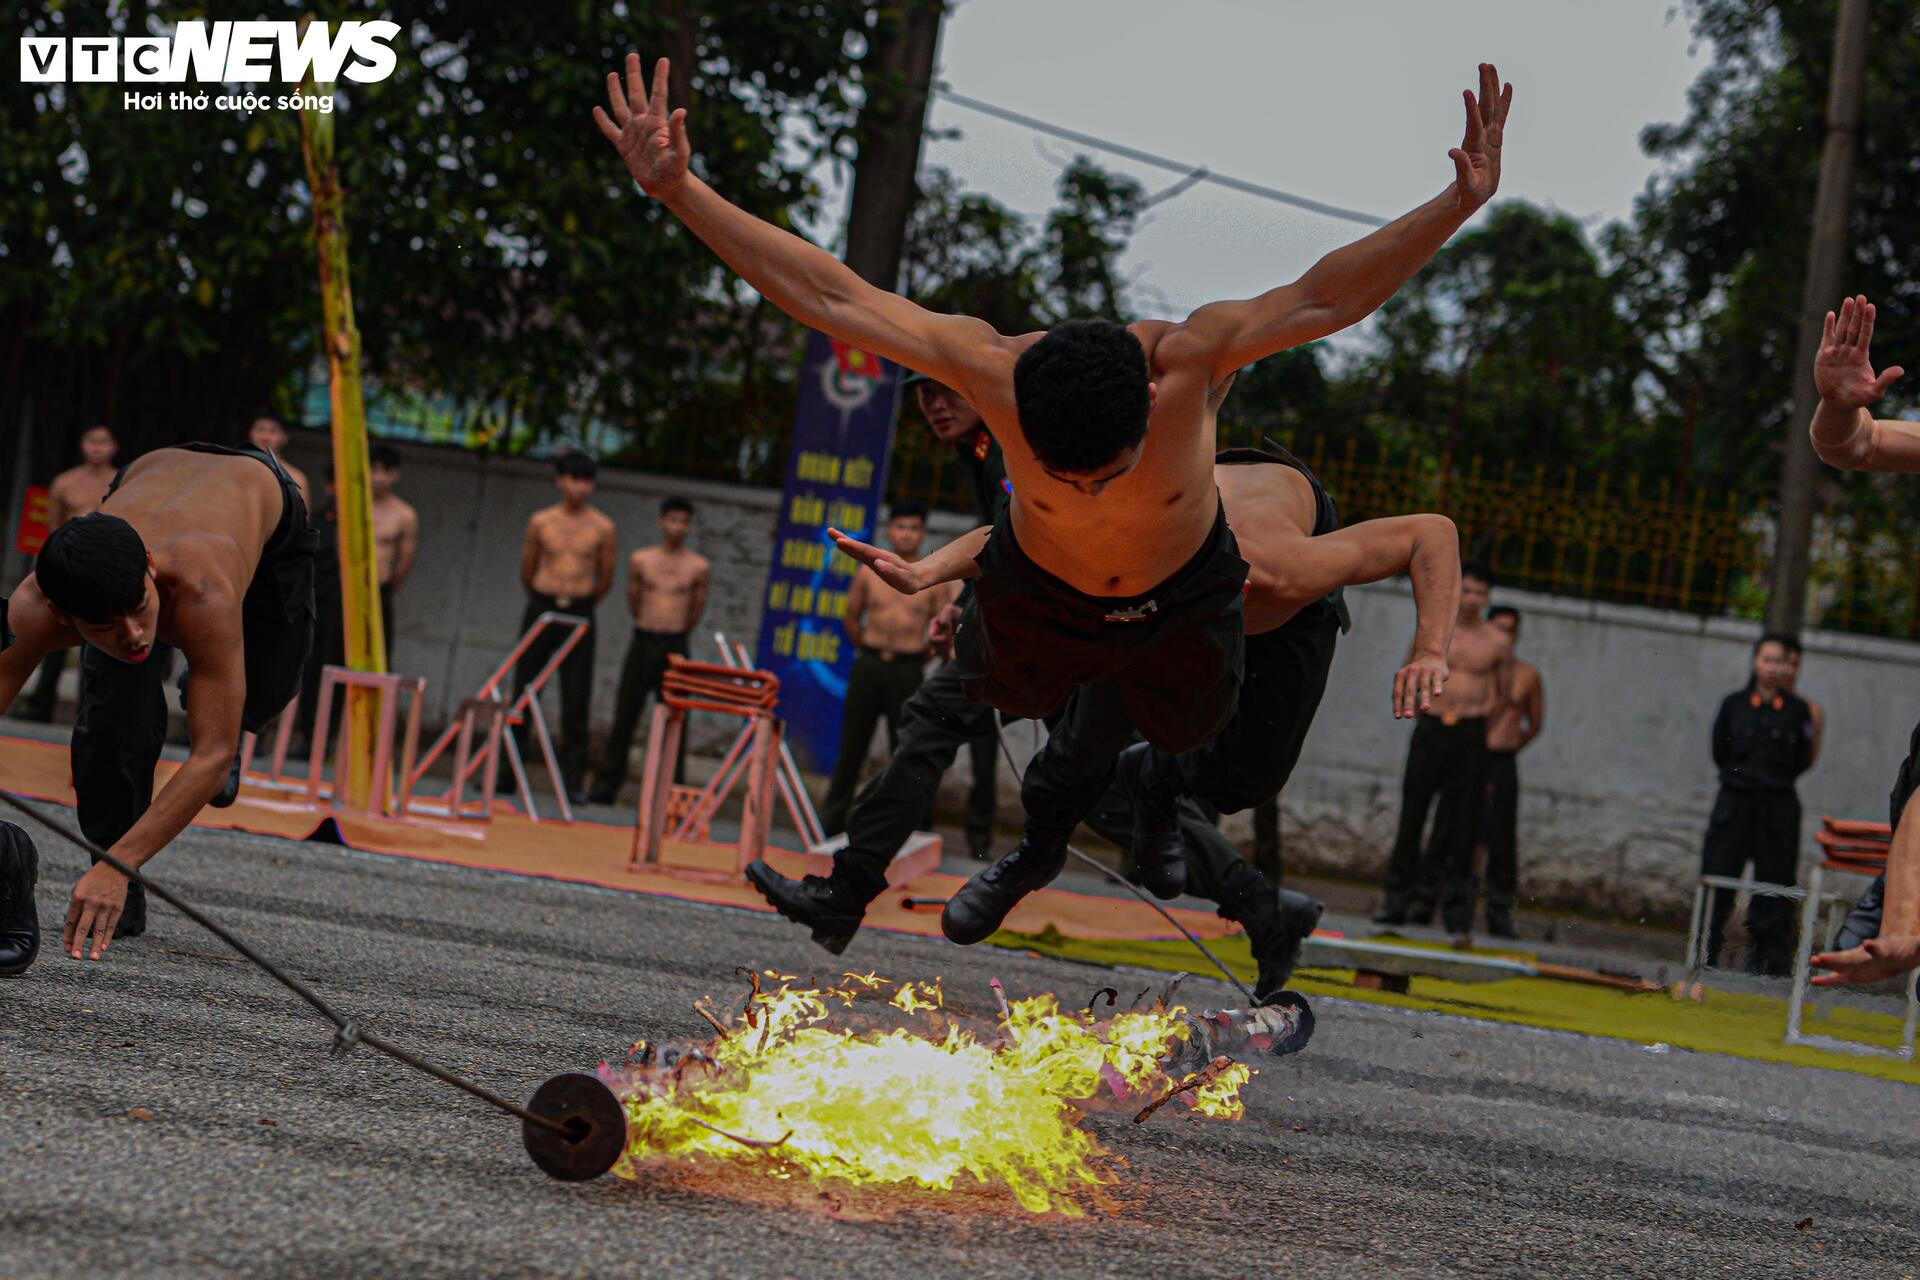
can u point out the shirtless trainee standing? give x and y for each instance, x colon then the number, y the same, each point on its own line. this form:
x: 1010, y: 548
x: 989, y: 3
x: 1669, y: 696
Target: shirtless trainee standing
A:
x: 396, y: 531
x: 566, y: 565
x: 1518, y: 722
x: 1448, y: 757
x: 889, y: 632
x: 667, y: 589
x: 268, y: 433
x: 75, y: 492
x: 202, y: 548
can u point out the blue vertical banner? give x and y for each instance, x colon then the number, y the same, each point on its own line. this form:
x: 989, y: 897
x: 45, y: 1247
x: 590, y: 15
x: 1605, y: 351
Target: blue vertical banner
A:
x: 836, y: 477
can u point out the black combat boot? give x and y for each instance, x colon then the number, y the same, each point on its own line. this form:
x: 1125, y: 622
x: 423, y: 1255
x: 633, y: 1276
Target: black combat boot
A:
x: 831, y: 906
x: 1277, y: 923
x: 973, y: 913
x: 1151, y: 781
x: 19, y: 920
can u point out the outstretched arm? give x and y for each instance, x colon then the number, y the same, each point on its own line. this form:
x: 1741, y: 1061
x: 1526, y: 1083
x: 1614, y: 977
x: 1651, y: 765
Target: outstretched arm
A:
x: 1347, y: 285
x: 1844, y: 434
x: 957, y: 561
x: 1424, y: 547
x: 799, y: 277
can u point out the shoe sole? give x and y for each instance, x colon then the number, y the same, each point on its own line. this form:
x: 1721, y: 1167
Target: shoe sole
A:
x: 832, y: 939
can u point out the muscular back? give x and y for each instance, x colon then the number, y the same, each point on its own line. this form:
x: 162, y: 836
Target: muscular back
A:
x: 1145, y: 525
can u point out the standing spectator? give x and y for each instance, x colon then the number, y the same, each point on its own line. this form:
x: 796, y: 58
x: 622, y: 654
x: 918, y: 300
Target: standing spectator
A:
x: 75, y: 492
x: 1448, y: 757
x: 955, y: 423
x: 268, y: 433
x: 889, y: 629
x: 1522, y: 714
x: 1762, y: 742
x: 667, y: 589
x: 566, y: 566
x: 396, y: 532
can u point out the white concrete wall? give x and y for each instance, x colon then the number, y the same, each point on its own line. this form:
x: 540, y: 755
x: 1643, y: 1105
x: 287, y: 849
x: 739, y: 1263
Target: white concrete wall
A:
x: 1616, y: 792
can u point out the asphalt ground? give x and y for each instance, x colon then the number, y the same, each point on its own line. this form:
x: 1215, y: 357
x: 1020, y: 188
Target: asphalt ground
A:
x: 171, y: 1112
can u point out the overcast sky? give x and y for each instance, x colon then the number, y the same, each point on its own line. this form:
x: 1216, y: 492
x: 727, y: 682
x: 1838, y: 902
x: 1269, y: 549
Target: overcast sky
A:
x: 1352, y: 103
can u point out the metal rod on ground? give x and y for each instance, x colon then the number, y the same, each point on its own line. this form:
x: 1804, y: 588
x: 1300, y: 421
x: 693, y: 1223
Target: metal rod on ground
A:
x: 347, y: 1032
x: 1133, y: 889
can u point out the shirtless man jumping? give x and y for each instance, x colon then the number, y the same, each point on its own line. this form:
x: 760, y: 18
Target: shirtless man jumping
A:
x: 1299, y: 559
x: 1113, y: 558
x: 76, y: 492
x: 1448, y: 756
x: 667, y: 588
x: 203, y: 548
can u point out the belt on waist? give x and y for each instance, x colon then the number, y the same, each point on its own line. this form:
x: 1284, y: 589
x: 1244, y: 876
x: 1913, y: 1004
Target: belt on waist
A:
x: 884, y: 656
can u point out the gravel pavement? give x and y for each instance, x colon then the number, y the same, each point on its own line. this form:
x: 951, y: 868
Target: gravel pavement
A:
x: 172, y: 1112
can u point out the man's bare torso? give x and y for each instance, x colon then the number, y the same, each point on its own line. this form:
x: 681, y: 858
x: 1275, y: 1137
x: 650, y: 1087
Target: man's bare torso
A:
x: 668, y: 581
x: 1503, y: 730
x: 1474, y: 659
x: 393, y: 519
x: 1143, y: 527
x: 897, y: 623
x: 569, y: 543
x: 78, y: 491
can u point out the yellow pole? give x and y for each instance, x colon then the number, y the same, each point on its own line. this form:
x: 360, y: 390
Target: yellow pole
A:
x: 359, y: 577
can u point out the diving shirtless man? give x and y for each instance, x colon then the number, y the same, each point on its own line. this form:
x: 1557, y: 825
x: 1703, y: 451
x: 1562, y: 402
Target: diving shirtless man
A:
x: 1113, y: 558
x: 75, y: 492
x: 1299, y: 560
x: 667, y: 588
x: 1448, y: 756
x: 203, y: 548
x: 1847, y: 435
x: 566, y: 566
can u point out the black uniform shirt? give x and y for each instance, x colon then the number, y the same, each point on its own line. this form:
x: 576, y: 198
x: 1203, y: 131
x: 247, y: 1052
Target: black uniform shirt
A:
x: 1762, y: 744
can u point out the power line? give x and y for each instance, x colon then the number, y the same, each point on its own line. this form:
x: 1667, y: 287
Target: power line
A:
x: 1195, y: 173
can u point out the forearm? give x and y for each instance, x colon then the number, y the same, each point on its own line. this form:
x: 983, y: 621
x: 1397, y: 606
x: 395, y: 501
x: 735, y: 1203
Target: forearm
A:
x: 1351, y: 282
x: 794, y: 274
x: 959, y: 560
x: 197, y: 781
x: 1842, y: 437
x: 1901, y: 911
x: 1434, y: 567
x: 855, y: 636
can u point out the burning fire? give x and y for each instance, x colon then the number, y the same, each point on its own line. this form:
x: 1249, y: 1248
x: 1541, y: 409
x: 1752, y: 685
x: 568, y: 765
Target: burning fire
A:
x: 871, y: 1082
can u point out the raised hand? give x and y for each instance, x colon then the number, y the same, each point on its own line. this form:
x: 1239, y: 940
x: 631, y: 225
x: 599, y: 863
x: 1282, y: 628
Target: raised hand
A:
x: 906, y: 577
x: 652, y: 140
x: 1476, y: 161
x: 1843, y: 370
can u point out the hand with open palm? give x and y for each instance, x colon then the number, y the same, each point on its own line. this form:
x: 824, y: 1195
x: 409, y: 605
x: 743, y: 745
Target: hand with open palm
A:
x: 651, y: 139
x: 1843, y: 367
x: 1476, y: 161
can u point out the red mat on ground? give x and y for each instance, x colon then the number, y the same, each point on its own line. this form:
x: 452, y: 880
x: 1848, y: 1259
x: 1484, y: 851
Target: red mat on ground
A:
x: 594, y: 853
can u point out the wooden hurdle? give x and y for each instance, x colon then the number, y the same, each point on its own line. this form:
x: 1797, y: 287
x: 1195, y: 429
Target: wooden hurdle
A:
x: 751, y: 763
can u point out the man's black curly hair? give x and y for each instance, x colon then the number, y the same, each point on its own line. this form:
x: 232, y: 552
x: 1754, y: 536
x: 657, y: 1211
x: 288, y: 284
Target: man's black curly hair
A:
x: 1082, y: 395
x: 93, y: 568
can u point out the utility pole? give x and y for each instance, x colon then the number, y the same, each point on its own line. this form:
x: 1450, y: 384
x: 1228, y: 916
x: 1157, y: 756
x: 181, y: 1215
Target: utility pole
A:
x: 898, y: 75
x: 359, y: 577
x: 1827, y: 250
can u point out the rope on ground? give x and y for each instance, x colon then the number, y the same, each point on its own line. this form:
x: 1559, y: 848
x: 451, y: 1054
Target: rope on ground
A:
x: 1000, y: 737
x: 347, y: 1032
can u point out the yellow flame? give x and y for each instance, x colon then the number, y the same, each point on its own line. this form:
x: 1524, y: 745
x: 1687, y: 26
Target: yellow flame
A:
x: 928, y: 1104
